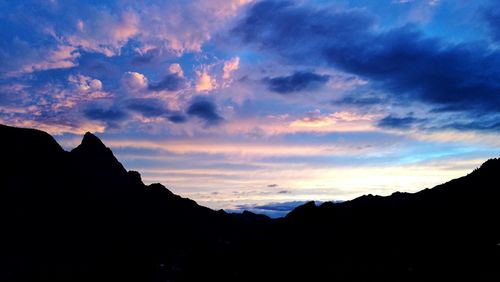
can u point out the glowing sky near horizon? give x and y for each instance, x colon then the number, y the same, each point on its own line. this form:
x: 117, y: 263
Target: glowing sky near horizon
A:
x: 237, y: 103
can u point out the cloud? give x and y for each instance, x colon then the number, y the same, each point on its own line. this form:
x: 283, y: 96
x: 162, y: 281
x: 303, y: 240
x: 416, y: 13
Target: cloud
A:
x: 176, y: 69
x: 57, y: 98
x: 403, y: 62
x: 491, y: 16
x: 257, y: 150
x: 85, y: 83
x: 205, y: 110
x: 317, y: 120
x: 358, y: 100
x: 104, y: 114
x: 205, y: 82
x: 299, y: 31
x: 177, y: 118
x: 55, y: 128
x: 314, y: 122
x: 55, y: 34
x: 19, y: 57
x: 154, y: 108
x: 410, y: 66
x: 296, y: 82
x: 56, y: 105
x: 230, y: 66
x: 103, y: 32
x: 83, y: 88
x: 481, y: 125
x: 185, y: 25
x: 70, y: 54
x: 170, y: 82
x: 395, y: 122
x: 134, y: 81
x: 148, y: 107
x: 60, y: 58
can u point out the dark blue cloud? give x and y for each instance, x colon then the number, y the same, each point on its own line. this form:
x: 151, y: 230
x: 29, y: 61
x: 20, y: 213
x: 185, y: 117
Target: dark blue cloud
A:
x: 148, y: 107
x: 359, y: 100
x: 170, y: 82
x: 483, y: 125
x: 391, y: 121
x: 404, y: 62
x: 206, y: 110
x: 409, y: 65
x: 177, y: 118
x: 151, y: 107
x: 146, y: 58
x: 102, y: 114
x: 294, y: 30
x: 296, y: 82
x: 491, y: 16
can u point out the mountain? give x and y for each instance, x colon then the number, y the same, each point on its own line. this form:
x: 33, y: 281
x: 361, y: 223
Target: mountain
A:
x: 81, y: 216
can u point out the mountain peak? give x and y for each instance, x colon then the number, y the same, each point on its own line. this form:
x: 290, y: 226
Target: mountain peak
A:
x: 90, y: 140
x: 94, y: 153
x: 91, y: 144
x: 303, y: 211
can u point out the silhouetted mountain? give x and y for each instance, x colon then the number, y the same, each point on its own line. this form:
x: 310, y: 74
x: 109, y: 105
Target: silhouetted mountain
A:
x: 81, y: 216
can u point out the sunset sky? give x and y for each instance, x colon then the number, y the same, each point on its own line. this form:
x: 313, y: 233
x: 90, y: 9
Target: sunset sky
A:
x: 246, y: 104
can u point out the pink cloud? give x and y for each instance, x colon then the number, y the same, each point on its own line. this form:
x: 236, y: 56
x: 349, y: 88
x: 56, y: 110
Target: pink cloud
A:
x: 318, y: 120
x: 182, y: 27
x: 172, y: 27
x: 230, y: 66
x: 104, y: 32
x: 134, y: 81
x: 56, y: 128
x: 205, y: 82
x: 61, y: 57
x: 176, y: 69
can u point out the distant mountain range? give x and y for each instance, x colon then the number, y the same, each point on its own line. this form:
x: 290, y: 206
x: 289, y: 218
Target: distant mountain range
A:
x: 81, y: 216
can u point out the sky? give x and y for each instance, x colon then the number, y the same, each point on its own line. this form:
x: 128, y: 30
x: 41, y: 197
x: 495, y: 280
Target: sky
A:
x: 262, y: 105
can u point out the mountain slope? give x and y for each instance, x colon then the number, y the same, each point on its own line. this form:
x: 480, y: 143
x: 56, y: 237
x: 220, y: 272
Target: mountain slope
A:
x: 448, y: 232
x: 81, y: 216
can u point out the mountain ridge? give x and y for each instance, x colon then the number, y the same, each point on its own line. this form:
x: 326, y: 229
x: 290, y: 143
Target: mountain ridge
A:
x: 81, y: 216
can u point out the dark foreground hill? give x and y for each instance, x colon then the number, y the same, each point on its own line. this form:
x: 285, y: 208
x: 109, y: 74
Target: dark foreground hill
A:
x: 80, y: 216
